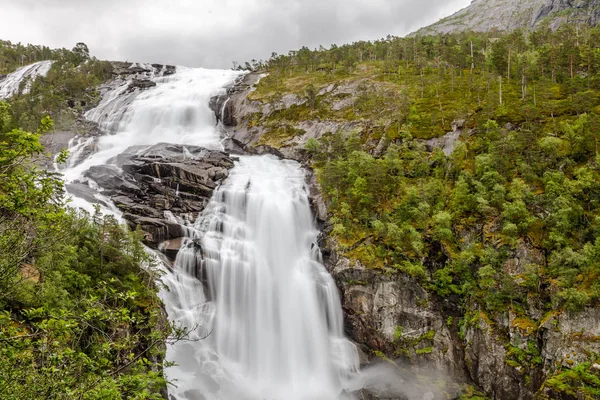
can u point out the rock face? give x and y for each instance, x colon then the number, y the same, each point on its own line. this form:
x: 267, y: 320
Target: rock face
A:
x: 391, y: 314
x: 447, y: 142
x: 231, y: 107
x: 160, y: 187
x: 126, y: 68
x: 141, y: 84
x: 507, y: 15
x: 234, y: 110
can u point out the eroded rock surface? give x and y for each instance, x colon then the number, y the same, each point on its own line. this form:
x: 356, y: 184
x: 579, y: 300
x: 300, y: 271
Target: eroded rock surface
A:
x: 162, y: 186
x: 486, y: 15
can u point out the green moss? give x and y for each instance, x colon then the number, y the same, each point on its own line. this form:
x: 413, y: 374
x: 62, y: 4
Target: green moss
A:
x: 398, y: 333
x: 425, y: 350
x: 581, y: 381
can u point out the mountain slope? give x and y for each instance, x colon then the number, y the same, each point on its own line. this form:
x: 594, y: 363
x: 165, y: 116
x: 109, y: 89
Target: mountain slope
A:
x: 508, y: 15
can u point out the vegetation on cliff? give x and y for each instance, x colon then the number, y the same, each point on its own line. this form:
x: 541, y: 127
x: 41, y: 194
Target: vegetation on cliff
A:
x: 507, y: 219
x: 79, y: 313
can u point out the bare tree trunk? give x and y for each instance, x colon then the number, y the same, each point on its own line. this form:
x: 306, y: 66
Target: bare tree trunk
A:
x: 589, y: 69
x: 472, y: 59
x: 422, y: 84
x: 500, y: 85
x: 523, y: 85
x: 571, y: 66
x: 508, y: 69
x: 437, y: 91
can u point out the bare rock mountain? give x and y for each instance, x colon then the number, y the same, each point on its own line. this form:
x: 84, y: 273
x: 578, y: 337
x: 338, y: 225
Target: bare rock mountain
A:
x: 508, y: 15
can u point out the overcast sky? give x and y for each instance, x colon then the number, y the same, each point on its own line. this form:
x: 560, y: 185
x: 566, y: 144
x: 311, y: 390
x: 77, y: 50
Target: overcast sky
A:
x: 211, y: 33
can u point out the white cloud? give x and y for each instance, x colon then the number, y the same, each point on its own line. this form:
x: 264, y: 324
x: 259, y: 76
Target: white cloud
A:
x: 211, y: 33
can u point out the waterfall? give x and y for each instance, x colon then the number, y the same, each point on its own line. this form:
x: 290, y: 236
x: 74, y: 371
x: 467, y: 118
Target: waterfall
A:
x: 271, y: 308
x: 9, y: 86
x: 222, y: 116
x: 264, y: 315
x: 174, y: 111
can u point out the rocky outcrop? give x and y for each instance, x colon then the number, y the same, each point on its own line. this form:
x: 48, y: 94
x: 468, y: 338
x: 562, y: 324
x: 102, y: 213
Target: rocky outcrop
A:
x: 141, y: 84
x: 126, y: 68
x: 234, y: 105
x: 390, y: 314
x: 448, y: 142
x: 486, y: 15
x: 235, y: 110
x: 161, y: 187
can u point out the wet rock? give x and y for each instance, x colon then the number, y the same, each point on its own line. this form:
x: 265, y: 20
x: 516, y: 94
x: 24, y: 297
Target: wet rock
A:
x: 171, y: 247
x: 122, y: 69
x: 156, y: 230
x: 392, y: 313
x: 112, y: 180
x: 141, y: 84
x: 55, y: 141
x: 193, y: 394
x: 153, y: 186
x: 317, y: 201
x: 231, y: 107
x: 84, y: 191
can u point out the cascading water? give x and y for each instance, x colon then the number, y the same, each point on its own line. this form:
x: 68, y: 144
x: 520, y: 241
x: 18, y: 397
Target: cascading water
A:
x: 272, y: 310
x: 174, y: 111
x: 264, y: 314
x: 9, y: 86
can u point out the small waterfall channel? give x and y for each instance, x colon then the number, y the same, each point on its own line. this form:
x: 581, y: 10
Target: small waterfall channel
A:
x: 264, y: 314
x: 11, y: 84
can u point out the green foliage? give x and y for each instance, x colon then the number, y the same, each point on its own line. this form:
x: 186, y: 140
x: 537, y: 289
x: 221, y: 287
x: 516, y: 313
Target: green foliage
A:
x: 69, y: 87
x: 582, y: 382
x: 79, y: 315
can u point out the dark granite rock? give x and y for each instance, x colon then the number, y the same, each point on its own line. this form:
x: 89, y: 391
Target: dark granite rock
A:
x: 147, y: 184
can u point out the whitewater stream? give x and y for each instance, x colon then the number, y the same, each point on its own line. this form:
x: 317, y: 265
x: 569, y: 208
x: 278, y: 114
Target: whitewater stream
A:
x: 11, y: 84
x: 265, y: 315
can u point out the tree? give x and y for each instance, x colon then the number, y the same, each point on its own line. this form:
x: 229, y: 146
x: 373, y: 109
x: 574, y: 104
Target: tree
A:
x: 81, y: 52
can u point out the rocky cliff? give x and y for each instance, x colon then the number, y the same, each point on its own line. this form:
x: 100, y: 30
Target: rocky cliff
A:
x: 508, y: 15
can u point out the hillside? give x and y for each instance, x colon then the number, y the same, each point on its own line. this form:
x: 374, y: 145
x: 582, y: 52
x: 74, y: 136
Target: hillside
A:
x: 508, y: 15
x: 459, y: 198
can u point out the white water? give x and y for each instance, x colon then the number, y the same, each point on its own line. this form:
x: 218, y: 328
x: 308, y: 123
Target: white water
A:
x: 268, y: 323
x: 274, y: 314
x: 174, y: 111
x: 9, y: 86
